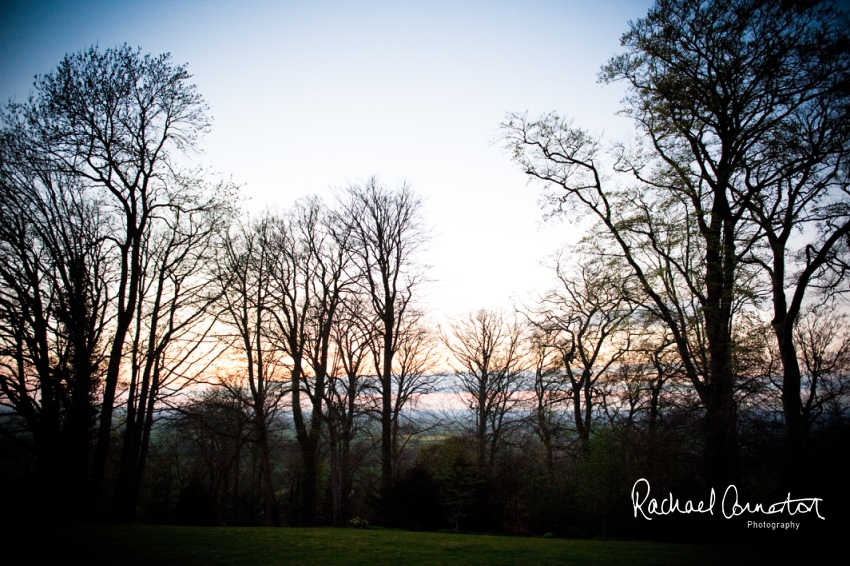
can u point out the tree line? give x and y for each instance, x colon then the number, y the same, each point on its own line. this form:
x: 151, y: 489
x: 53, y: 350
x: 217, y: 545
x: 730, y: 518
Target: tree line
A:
x: 166, y: 357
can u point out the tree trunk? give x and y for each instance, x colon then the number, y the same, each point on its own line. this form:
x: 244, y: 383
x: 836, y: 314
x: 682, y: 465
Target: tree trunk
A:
x: 386, y: 415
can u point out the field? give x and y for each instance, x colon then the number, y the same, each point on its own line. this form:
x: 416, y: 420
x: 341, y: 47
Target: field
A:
x: 211, y: 546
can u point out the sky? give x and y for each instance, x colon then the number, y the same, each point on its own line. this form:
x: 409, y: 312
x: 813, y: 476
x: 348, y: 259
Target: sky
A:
x: 310, y: 97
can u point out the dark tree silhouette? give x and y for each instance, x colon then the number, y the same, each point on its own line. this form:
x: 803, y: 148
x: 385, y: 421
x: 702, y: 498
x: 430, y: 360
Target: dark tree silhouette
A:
x: 55, y: 282
x: 742, y: 105
x: 491, y: 365
x: 386, y: 233
x: 114, y: 120
x: 750, y: 98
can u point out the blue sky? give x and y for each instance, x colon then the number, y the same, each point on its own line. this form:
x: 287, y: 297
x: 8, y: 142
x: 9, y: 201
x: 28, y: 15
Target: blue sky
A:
x: 311, y: 96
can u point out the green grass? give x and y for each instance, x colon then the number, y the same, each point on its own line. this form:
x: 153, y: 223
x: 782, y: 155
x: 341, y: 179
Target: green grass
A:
x: 211, y: 546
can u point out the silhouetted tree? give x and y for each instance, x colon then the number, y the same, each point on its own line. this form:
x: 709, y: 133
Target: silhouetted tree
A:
x: 174, y: 315
x: 114, y: 121
x: 310, y: 273
x: 243, y: 272
x: 353, y: 338
x: 387, y: 231
x: 56, y: 271
x: 588, y: 319
x: 490, y: 368
x: 750, y: 99
x: 742, y: 105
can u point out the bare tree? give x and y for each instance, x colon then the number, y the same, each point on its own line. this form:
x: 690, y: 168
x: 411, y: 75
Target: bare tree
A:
x: 589, y: 321
x: 243, y: 273
x: 55, y: 282
x: 491, y: 366
x: 353, y: 337
x: 413, y: 376
x: 549, y: 394
x: 174, y: 315
x: 664, y: 367
x: 310, y: 274
x: 115, y: 120
x: 386, y: 233
x: 823, y: 342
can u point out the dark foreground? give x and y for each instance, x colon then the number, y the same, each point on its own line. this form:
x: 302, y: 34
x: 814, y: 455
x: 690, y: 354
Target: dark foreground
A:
x: 210, y: 546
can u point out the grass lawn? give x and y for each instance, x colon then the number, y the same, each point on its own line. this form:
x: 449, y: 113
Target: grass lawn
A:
x: 210, y: 546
